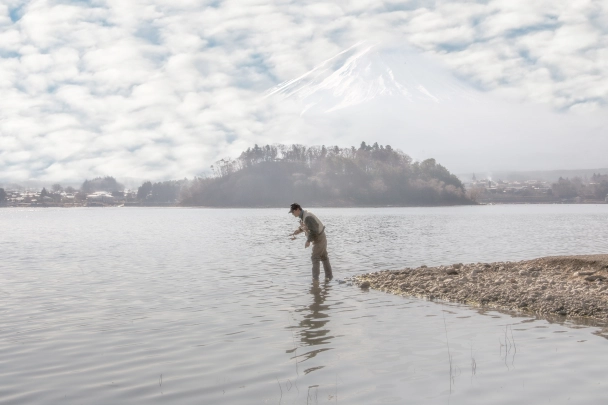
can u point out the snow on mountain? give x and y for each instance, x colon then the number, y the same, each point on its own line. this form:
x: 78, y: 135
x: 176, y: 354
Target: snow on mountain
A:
x: 366, y: 72
x: 397, y: 96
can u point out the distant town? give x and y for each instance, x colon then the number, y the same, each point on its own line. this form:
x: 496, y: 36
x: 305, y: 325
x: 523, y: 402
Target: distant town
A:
x: 578, y: 190
x: 106, y: 191
x: 44, y: 198
x: 99, y: 192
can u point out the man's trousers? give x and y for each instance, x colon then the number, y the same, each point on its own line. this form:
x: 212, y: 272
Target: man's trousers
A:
x: 319, y: 254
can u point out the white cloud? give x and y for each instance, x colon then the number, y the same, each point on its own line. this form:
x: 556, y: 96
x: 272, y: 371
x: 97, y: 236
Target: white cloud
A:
x: 161, y: 89
x: 516, y: 42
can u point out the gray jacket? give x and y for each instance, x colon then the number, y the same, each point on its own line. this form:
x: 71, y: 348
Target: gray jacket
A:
x: 311, y: 225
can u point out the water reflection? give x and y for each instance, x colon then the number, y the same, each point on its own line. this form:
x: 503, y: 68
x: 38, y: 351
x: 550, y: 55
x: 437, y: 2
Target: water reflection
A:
x: 528, y: 317
x: 312, y: 328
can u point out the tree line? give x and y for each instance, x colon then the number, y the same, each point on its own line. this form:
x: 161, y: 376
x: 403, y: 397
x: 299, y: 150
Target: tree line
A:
x: 594, y: 189
x: 274, y: 175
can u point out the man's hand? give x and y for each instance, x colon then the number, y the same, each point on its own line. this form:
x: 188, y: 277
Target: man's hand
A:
x: 307, y: 244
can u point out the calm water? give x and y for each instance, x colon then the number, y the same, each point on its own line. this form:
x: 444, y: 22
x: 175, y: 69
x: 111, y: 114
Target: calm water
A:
x: 202, y: 306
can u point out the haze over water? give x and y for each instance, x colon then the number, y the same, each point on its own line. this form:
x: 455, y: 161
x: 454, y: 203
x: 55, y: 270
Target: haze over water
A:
x: 182, y: 306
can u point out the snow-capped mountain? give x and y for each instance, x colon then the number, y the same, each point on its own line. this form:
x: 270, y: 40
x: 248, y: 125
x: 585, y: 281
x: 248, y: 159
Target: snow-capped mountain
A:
x: 365, y: 72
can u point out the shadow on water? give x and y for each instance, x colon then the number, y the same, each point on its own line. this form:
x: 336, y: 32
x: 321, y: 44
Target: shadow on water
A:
x: 312, y: 328
x: 601, y: 326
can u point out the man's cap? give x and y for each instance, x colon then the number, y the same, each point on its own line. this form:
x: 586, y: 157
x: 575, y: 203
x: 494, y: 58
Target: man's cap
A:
x: 293, y: 207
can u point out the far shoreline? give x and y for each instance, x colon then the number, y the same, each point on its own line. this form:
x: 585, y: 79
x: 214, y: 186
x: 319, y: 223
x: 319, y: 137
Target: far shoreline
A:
x: 160, y: 205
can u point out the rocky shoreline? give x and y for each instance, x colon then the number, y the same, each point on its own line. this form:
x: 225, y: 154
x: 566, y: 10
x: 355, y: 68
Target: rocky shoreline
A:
x: 575, y: 286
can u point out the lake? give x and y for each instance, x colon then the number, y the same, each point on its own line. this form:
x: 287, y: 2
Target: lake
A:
x: 210, y: 306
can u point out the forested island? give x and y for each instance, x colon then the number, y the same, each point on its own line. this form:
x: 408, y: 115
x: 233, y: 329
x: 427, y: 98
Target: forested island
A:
x: 371, y: 175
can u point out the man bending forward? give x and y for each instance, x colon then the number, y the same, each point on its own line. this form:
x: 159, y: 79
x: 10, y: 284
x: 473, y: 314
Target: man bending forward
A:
x: 315, y: 234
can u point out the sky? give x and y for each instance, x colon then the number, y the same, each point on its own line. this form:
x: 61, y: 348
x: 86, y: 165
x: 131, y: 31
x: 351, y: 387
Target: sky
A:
x: 161, y: 89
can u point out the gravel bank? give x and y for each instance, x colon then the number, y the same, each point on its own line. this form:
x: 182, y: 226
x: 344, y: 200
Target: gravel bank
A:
x: 561, y: 285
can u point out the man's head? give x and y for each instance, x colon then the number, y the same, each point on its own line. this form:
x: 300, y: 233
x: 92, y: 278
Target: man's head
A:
x: 295, y: 209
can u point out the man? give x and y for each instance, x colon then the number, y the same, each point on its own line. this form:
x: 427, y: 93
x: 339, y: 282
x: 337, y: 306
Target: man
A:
x: 315, y: 234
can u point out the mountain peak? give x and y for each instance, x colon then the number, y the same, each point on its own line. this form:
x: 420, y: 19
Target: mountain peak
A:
x: 362, y: 73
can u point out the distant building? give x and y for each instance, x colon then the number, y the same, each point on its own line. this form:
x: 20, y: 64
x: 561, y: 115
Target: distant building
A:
x: 101, y: 197
x: 68, y: 198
